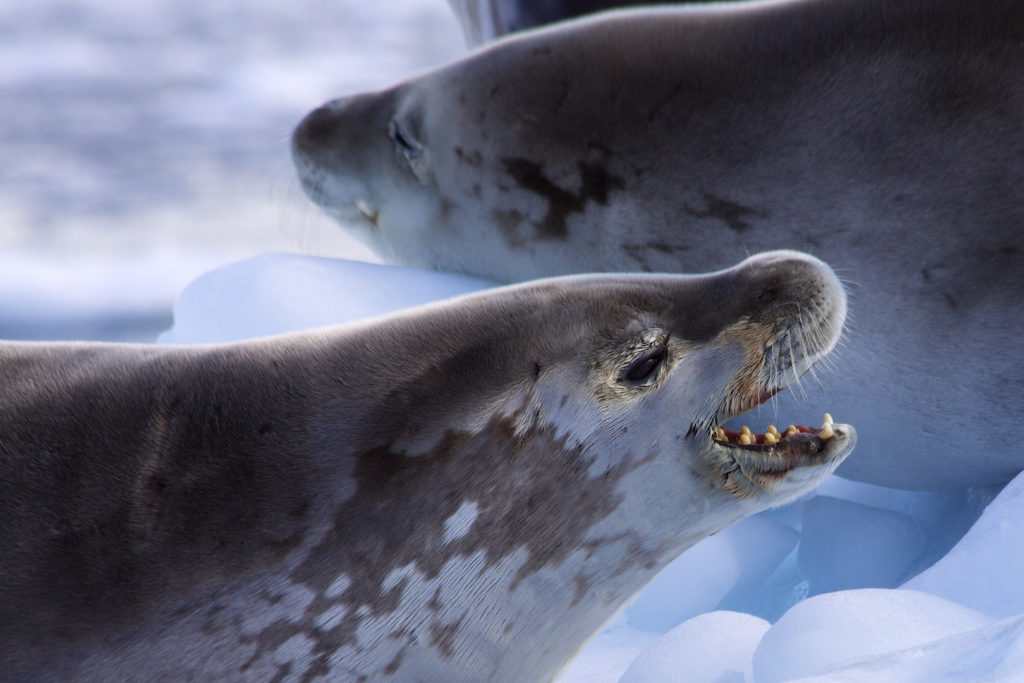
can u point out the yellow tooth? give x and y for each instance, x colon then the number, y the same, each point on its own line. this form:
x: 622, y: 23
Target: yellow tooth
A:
x: 770, y: 438
x: 720, y: 434
x: 745, y: 430
x: 791, y: 430
x: 746, y: 439
x: 772, y: 430
x: 826, y: 432
x: 828, y: 419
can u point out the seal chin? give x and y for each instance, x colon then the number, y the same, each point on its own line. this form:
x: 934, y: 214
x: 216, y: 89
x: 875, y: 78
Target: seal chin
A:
x: 780, y: 464
x: 346, y: 200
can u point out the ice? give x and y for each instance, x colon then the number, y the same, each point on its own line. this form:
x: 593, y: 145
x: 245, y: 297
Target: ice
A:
x: 945, y: 516
x: 832, y: 629
x: 712, y: 648
x: 277, y: 293
x: 985, y: 570
x: 849, y: 545
x: 739, y: 558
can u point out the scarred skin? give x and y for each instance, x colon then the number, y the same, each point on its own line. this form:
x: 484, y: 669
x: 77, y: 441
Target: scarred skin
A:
x: 464, y: 491
x: 883, y: 135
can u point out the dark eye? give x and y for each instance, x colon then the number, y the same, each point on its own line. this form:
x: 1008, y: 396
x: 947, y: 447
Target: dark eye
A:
x: 646, y: 365
x: 409, y: 148
x: 769, y: 295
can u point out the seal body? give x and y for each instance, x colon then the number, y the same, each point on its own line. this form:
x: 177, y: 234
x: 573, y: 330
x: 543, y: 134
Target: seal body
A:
x: 889, y: 132
x: 466, y: 491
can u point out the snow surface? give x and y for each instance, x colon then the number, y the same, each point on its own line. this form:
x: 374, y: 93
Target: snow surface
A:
x: 717, y: 646
x: 811, y: 591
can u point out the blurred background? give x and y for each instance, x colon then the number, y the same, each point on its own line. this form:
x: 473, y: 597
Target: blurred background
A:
x: 144, y: 143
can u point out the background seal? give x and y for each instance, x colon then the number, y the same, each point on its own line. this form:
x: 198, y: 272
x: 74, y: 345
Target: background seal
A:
x: 883, y: 135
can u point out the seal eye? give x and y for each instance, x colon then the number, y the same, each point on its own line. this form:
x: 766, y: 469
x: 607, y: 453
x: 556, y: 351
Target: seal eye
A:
x: 406, y: 145
x: 644, y: 367
x: 769, y: 295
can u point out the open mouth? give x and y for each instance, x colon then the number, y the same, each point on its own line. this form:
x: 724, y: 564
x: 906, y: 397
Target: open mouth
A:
x: 367, y: 211
x: 772, y: 437
x: 761, y: 459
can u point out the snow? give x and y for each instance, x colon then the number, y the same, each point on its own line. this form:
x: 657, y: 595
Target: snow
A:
x: 715, y: 647
x: 992, y: 653
x: 806, y: 592
x: 985, y: 570
x: 830, y: 629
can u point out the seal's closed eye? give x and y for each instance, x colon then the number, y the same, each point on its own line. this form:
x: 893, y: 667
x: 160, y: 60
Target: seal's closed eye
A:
x: 405, y: 144
x: 644, y: 367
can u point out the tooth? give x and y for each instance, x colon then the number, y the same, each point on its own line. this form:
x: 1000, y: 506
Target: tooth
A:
x: 770, y: 438
x: 791, y: 430
x: 826, y: 433
x: 720, y: 434
x: 745, y: 430
x: 746, y: 439
x: 828, y: 419
x: 772, y: 430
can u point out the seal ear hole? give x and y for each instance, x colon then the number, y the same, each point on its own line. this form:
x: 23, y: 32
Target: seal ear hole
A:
x: 645, y: 367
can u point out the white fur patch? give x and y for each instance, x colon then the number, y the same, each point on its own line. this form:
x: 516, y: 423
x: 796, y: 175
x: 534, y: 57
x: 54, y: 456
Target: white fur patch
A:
x: 459, y: 523
x: 339, y: 586
x: 331, y: 618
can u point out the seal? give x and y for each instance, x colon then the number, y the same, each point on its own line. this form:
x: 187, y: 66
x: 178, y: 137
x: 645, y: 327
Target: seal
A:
x: 463, y: 491
x: 882, y: 135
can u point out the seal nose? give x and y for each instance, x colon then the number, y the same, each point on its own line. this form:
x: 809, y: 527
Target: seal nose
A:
x: 342, y: 123
x: 319, y: 128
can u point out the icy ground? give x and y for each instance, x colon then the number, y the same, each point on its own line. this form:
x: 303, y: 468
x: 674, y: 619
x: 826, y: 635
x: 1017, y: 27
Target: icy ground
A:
x: 852, y: 583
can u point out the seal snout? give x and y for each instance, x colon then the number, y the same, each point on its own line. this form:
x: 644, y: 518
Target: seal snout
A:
x: 790, y: 284
x: 316, y: 128
x: 794, y: 316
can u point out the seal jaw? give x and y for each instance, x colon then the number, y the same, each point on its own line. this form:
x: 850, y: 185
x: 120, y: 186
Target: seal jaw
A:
x: 780, y: 464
